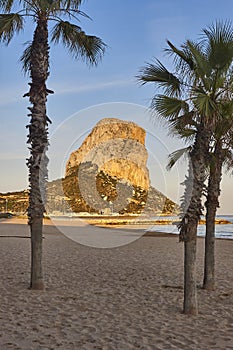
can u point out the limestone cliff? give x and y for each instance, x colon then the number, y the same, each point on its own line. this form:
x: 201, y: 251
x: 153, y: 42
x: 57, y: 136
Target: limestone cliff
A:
x: 117, y: 147
x: 109, y: 171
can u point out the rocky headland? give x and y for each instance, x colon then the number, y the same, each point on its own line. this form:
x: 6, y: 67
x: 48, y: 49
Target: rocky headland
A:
x: 108, y: 173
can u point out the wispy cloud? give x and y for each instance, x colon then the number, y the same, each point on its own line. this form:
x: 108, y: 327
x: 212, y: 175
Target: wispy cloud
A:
x: 14, y: 94
x: 80, y: 88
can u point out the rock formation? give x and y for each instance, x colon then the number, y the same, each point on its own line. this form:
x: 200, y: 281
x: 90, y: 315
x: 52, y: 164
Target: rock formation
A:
x: 117, y: 147
x: 108, y: 172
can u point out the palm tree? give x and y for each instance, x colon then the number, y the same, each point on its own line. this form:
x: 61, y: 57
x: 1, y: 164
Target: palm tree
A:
x: 36, y: 60
x: 221, y: 154
x: 191, y: 102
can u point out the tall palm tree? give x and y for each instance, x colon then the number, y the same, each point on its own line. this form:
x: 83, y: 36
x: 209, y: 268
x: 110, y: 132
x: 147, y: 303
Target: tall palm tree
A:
x: 192, y: 99
x: 221, y: 155
x: 36, y: 61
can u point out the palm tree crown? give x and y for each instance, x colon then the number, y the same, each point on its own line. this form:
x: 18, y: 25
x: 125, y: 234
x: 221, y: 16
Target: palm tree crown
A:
x: 78, y: 43
x: 200, y: 83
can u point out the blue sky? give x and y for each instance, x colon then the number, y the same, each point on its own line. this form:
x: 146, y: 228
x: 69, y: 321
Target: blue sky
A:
x: 135, y: 32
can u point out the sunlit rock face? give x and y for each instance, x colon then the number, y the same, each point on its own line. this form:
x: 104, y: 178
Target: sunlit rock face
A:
x: 117, y: 147
x: 108, y: 172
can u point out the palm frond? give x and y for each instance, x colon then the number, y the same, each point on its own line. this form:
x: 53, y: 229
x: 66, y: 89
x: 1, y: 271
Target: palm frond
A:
x: 205, y: 105
x: 202, y: 68
x: 219, y: 31
x: 186, y: 134
x: 79, y: 44
x: 182, y: 58
x: 33, y: 6
x: 6, y: 5
x: 184, y: 127
x: 26, y: 58
x: 71, y: 14
x: 227, y: 156
x: 72, y: 8
x: 70, y: 4
x: 177, y: 155
x: 187, y: 120
x: 168, y: 107
x: 219, y: 37
x: 158, y: 73
x: 9, y: 25
x: 224, y: 126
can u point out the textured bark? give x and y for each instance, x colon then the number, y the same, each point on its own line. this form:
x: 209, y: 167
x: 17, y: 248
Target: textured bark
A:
x: 192, y: 209
x: 36, y: 255
x: 38, y: 140
x: 212, y: 204
x: 190, y: 295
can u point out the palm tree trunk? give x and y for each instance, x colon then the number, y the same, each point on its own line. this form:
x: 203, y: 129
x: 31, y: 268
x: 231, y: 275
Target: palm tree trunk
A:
x: 212, y: 204
x: 188, y: 233
x: 192, y: 209
x: 209, y: 264
x: 190, y: 295
x: 38, y: 140
x: 36, y: 254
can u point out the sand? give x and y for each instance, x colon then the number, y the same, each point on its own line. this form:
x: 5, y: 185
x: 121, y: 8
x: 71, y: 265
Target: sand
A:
x: 129, y: 297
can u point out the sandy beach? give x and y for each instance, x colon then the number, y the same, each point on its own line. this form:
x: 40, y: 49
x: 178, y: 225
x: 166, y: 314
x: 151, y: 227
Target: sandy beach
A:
x: 128, y: 297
